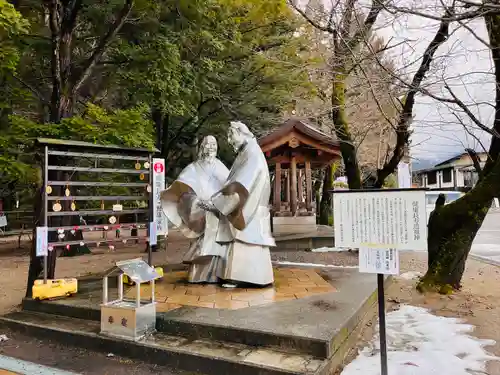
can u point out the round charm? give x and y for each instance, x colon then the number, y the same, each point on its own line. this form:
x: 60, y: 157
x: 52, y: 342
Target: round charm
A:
x: 112, y: 219
x: 142, y: 177
x: 73, y: 206
x: 146, y: 165
x: 57, y: 207
x: 148, y: 188
x: 137, y: 166
x: 67, y: 192
x: 82, y: 243
x: 48, y: 189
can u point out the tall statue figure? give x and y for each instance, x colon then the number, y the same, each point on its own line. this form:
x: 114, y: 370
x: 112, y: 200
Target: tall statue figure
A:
x: 180, y: 202
x: 244, y: 201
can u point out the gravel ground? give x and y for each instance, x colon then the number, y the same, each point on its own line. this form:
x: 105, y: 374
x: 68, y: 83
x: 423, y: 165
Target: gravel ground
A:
x: 80, y: 361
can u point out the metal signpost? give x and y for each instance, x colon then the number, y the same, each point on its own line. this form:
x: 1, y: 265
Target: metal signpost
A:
x: 380, y: 223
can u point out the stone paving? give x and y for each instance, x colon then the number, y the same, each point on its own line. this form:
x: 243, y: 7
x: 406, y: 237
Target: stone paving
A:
x: 173, y: 291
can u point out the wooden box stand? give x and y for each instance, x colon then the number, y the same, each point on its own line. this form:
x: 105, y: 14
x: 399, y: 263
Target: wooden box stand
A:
x: 128, y: 319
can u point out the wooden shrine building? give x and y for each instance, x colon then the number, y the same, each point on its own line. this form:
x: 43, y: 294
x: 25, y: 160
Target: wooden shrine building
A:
x: 292, y: 151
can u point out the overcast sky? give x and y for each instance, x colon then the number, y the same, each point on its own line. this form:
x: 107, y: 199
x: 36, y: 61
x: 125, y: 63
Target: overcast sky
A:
x: 463, y: 62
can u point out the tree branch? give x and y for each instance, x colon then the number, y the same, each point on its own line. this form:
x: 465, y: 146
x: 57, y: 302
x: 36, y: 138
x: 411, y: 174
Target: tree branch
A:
x: 402, y: 128
x: 33, y: 90
x: 70, y: 15
x: 327, y: 29
x: 55, y: 67
x: 466, y: 109
x: 90, y: 63
x: 362, y: 32
x: 475, y: 160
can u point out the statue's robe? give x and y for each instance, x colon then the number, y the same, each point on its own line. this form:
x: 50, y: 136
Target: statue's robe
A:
x: 198, y: 181
x: 244, y: 201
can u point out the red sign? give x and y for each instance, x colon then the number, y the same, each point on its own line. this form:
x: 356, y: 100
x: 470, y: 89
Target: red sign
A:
x: 158, y: 167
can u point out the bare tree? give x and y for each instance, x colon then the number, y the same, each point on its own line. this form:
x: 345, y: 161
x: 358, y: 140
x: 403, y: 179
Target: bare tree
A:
x: 349, y: 31
x: 452, y: 227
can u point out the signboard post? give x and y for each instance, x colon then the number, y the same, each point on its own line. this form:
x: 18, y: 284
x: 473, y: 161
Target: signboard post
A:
x: 380, y: 223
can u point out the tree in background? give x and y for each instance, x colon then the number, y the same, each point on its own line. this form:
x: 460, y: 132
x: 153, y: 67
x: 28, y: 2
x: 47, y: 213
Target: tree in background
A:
x: 139, y: 73
x: 371, y: 104
x: 453, y: 227
x: 232, y: 59
x: 351, y: 32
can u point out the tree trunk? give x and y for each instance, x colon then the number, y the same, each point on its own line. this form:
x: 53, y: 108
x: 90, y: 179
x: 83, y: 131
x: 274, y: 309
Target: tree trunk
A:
x: 325, y: 207
x: 452, y: 228
x: 341, y: 127
x: 449, y: 243
x: 36, y: 263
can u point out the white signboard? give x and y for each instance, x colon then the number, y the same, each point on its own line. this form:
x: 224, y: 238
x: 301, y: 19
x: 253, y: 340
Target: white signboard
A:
x: 404, y: 176
x: 117, y: 207
x: 41, y: 241
x: 383, y: 261
x: 3, y: 220
x: 158, y: 186
x: 383, y: 219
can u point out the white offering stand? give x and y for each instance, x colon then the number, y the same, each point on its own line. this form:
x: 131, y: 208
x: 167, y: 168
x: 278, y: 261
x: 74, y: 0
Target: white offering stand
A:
x: 129, y: 319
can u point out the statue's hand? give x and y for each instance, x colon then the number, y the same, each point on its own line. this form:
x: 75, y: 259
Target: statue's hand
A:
x: 207, y: 206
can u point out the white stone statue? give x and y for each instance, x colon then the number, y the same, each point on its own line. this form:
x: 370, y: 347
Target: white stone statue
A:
x: 244, y: 201
x: 198, y: 182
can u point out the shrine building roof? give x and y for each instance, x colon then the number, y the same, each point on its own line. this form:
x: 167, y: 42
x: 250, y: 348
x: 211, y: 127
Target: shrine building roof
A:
x: 295, y: 130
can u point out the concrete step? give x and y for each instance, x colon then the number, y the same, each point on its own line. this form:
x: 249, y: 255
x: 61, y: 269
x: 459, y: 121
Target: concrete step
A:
x: 175, y: 324
x: 200, y: 355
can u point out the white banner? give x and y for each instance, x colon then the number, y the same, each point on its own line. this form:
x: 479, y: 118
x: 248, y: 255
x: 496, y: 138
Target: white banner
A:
x: 383, y: 261
x: 158, y: 186
x: 404, y: 176
x: 152, y: 233
x: 383, y: 219
x: 3, y: 220
x: 42, y: 240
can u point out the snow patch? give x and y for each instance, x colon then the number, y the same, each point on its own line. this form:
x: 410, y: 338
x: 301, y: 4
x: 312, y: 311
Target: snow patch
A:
x: 286, y: 263
x: 422, y: 343
x: 329, y: 250
x: 411, y: 275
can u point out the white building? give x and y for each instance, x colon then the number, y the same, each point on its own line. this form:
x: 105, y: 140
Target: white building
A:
x: 457, y: 173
